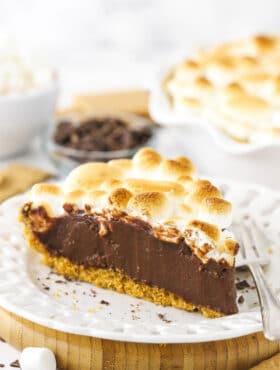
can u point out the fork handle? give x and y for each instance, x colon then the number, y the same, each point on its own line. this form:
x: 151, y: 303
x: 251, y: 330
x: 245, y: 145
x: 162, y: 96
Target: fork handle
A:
x: 270, y: 306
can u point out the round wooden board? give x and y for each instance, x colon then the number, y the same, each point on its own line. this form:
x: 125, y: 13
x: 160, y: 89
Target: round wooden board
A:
x: 76, y: 352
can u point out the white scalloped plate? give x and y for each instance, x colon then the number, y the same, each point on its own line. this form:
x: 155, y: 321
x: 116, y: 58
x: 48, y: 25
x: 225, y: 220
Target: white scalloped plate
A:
x: 34, y: 292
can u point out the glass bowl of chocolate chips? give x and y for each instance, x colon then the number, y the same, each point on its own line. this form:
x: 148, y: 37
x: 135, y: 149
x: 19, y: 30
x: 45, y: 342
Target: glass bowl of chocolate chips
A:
x: 79, y: 138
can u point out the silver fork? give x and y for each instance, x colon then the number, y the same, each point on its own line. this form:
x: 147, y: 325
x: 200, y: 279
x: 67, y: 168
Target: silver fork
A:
x: 252, y: 254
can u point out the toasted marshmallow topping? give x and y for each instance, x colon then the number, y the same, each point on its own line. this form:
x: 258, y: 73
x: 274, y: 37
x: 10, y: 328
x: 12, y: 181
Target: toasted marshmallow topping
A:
x: 162, y: 192
x: 235, y: 85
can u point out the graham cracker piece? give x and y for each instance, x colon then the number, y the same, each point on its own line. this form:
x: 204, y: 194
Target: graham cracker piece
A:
x: 272, y: 363
x: 17, y: 178
x: 135, y: 101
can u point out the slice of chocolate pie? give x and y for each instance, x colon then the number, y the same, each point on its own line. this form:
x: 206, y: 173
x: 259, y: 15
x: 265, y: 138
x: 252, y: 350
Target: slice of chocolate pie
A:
x: 147, y: 227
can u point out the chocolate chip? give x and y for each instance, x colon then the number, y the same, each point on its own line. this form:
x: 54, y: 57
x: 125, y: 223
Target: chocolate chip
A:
x: 67, y: 278
x: 242, y: 285
x: 163, y: 318
x: 2, y: 365
x: 101, y: 134
x: 15, y: 364
x: 104, y: 302
x: 93, y: 293
x: 64, y: 132
x: 241, y: 299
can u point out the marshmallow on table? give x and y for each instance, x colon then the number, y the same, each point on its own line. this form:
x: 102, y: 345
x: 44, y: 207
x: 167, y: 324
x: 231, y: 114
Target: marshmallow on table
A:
x: 35, y: 358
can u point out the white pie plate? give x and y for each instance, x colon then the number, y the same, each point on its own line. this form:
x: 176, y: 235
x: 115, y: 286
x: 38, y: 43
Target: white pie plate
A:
x: 212, y: 149
x: 162, y: 112
x: 30, y: 290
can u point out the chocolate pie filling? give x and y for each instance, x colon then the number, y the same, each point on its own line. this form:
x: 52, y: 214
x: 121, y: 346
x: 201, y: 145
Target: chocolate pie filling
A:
x: 131, y: 247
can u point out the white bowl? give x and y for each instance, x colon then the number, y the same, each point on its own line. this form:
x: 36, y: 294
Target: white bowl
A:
x: 24, y: 116
x: 214, y: 152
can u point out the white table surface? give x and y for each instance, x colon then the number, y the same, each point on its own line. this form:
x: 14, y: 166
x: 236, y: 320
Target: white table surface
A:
x: 8, y: 355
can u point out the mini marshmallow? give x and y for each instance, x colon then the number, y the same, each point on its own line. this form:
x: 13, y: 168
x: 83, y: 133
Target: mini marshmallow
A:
x: 35, y: 358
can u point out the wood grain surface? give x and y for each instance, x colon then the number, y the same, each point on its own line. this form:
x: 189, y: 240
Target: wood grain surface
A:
x: 76, y: 352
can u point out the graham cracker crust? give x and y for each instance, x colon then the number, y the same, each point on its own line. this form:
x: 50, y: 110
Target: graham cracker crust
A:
x: 110, y: 279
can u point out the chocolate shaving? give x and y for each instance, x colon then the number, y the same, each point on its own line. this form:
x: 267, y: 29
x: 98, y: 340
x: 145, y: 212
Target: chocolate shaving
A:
x: 60, y: 282
x: 104, y: 302
x: 163, y: 318
x: 2, y: 365
x: 15, y: 364
x: 93, y: 293
x: 2, y: 340
x: 243, y: 284
x: 241, y: 299
x: 67, y: 278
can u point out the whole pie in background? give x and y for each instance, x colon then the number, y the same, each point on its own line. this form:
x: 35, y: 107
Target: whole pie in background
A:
x: 235, y: 85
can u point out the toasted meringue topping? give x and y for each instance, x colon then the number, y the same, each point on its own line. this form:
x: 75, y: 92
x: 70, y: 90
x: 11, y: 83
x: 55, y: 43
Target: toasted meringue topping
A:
x: 165, y: 193
x: 234, y: 85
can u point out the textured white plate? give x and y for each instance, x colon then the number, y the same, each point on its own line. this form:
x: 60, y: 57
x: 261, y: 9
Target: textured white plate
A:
x: 32, y: 291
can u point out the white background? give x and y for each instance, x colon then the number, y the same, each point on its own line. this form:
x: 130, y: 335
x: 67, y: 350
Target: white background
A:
x: 108, y: 44
x: 120, y: 43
